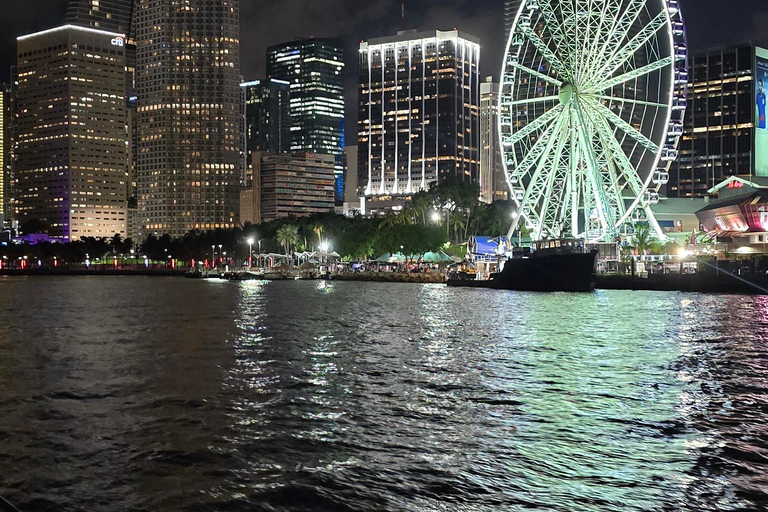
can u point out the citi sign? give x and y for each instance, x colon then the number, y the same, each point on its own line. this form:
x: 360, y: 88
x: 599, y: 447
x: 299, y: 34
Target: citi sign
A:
x: 118, y: 41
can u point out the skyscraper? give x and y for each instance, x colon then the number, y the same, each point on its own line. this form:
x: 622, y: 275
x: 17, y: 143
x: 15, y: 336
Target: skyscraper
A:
x: 5, y: 151
x: 718, y: 137
x: 115, y: 16
x: 109, y: 15
x: 314, y: 68
x: 70, y: 132
x: 267, y: 117
x: 511, y: 8
x: 419, y: 106
x: 493, y: 184
x: 189, y: 114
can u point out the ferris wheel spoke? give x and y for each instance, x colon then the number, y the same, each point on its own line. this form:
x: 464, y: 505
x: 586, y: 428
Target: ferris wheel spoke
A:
x: 626, y: 52
x: 624, y: 126
x: 530, y: 101
x: 537, y: 124
x: 540, y: 76
x: 624, y: 166
x: 557, y: 31
x: 595, y: 188
x: 545, y: 51
x: 535, y: 197
x: 621, y: 99
x: 630, y: 75
x: 599, y: 36
x: 557, y: 190
x: 619, y: 28
x: 534, y: 153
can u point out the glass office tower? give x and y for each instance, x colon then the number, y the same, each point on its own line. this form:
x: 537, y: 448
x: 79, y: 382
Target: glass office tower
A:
x: 315, y: 70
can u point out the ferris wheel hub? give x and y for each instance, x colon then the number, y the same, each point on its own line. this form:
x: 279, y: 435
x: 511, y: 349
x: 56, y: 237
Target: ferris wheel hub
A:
x: 566, y: 93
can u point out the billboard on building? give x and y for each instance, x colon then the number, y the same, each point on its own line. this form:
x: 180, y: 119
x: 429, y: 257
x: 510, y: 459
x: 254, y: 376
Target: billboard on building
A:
x: 761, y: 123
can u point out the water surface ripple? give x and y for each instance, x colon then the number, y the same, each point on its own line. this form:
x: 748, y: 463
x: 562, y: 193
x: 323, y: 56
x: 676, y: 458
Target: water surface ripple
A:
x: 142, y: 394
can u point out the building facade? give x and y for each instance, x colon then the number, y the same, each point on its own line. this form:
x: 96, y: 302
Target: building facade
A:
x: 289, y: 185
x: 189, y: 115
x: 718, y: 138
x: 108, y: 15
x: 315, y: 70
x: 115, y: 16
x: 6, y: 118
x: 493, y: 183
x: 267, y: 118
x: 70, y: 132
x: 511, y: 8
x: 419, y: 112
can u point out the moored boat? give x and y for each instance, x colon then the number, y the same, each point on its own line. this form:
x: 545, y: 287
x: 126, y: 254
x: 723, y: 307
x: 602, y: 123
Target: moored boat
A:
x: 559, y: 265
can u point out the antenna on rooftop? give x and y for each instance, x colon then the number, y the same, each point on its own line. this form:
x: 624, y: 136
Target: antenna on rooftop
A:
x: 402, y: 15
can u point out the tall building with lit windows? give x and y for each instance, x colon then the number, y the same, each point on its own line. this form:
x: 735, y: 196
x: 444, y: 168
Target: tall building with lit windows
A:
x: 115, y: 16
x: 511, y: 8
x: 189, y: 116
x: 719, y: 131
x: 6, y: 116
x: 109, y: 15
x: 70, y: 132
x: 419, y: 112
x: 315, y: 70
x: 267, y: 118
x: 493, y: 183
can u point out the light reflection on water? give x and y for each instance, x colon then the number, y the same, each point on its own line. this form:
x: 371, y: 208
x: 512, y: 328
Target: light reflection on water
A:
x: 361, y: 396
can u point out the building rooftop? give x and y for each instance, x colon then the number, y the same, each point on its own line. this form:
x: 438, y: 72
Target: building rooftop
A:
x: 426, y: 34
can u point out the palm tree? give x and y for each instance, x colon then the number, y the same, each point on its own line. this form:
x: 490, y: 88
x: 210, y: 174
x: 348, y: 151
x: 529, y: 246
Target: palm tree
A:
x: 318, y: 229
x: 288, y: 236
x: 642, y: 238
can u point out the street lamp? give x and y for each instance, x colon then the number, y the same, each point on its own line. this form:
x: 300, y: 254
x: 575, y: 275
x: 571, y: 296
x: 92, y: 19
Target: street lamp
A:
x: 435, y: 217
x: 250, y: 251
x: 213, y: 254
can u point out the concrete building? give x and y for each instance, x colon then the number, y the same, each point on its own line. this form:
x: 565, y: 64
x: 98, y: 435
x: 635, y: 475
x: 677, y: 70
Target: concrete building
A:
x: 115, y: 16
x: 419, y: 112
x: 511, y: 8
x: 493, y: 183
x: 109, y: 15
x: 315, y: 70
x: 189, y: 114
x: 70, y: 132
x: 719, y: 130
x: 267, y: 118
x: 285, y: 185
x: 6, y: 117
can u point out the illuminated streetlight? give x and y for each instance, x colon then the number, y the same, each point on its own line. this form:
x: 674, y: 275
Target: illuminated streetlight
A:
x: 250, y: 252
x: 435, y: 217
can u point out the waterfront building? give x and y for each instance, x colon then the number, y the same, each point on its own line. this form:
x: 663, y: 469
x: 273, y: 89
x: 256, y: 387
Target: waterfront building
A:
x: 419, y: 104
x: 493, y: 183
x: 6, y: 117
x: 288, y: 185
x: 70, y: 132
x: 738, y: 214
x: 189, y: 114
x: 267, y: 118
x: 720, y: 121
x: 315, y: 70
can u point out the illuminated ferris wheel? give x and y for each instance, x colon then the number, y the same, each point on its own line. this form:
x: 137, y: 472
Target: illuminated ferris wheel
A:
x: 592, y: 102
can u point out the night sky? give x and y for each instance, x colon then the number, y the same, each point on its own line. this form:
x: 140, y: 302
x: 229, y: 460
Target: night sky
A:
x: 264, y: 22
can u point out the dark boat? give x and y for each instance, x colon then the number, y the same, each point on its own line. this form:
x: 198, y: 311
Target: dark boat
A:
x: 561, y: 265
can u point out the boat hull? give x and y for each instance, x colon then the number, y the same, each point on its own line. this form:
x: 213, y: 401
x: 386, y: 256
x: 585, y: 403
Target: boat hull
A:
x: 573, y: 272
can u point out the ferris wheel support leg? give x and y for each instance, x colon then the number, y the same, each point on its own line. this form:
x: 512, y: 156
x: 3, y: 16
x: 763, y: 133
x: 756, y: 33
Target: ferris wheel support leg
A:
x: 655, y: 225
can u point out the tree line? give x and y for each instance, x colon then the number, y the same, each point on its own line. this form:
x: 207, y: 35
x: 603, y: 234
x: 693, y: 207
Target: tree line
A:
x: 442, y: 217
